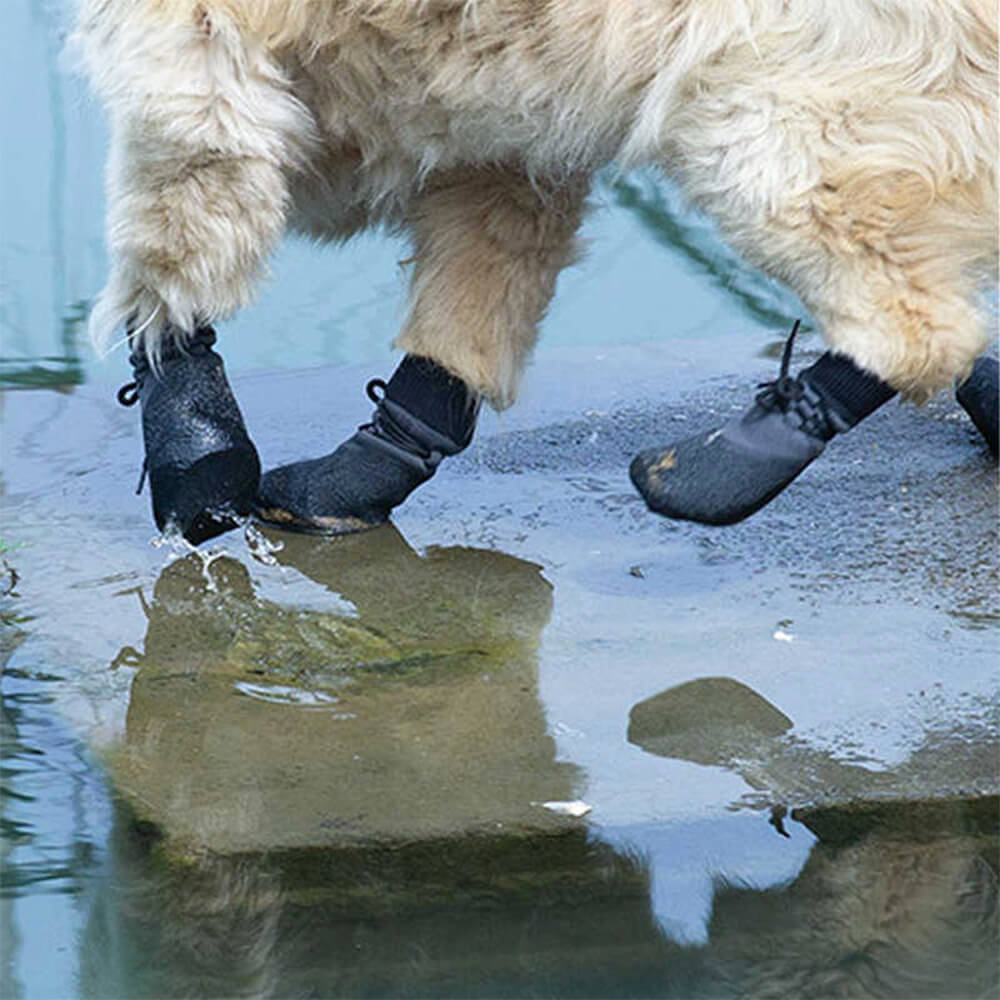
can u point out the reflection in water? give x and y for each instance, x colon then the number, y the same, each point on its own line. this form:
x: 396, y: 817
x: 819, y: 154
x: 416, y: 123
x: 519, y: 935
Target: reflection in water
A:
x: 903, y: 904
x: 898, y: 898
x: 719, y: 721
x: 53, y: 821
x: 500, y: 916
x: 899, y: 902
x: 379, y: 837
x: 384, y: 844
x: 50, y: 218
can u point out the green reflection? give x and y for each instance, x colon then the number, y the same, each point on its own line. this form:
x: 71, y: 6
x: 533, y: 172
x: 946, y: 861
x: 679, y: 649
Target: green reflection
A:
x: 384, y: 844
x: 61, y: 371
x: 901, y: 905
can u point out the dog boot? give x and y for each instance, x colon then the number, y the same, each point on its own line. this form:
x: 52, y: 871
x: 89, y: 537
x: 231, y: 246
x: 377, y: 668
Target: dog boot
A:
x: 725, y: 475
x: 979, y: 395
x: 422, y: 415
x: 202, y: 466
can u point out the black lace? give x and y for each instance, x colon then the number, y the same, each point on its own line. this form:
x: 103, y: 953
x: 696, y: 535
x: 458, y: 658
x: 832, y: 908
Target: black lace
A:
x: 128, y: 394
x: 382, y: 424
x: 373, y: 385
x: 386, y: 428
x: 790, y: 394
x: 784, y: 390
x: 375, y: 391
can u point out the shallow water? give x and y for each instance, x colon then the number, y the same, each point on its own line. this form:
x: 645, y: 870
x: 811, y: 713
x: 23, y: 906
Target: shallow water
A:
x: 297, y: 767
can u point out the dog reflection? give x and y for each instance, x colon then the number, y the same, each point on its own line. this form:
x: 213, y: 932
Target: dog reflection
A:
x: 895, y: 901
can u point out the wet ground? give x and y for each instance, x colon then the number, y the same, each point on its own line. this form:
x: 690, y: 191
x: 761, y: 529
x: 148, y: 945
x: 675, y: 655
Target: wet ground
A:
x: 338, y: 753
x: 529, y: 741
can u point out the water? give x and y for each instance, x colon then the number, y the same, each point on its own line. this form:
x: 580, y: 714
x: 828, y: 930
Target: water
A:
x: 287, y: 766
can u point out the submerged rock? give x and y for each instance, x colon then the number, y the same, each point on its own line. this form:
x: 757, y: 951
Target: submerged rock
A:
x: 252, y: 726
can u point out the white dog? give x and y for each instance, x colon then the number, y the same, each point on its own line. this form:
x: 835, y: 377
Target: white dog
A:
x: 847, y: 147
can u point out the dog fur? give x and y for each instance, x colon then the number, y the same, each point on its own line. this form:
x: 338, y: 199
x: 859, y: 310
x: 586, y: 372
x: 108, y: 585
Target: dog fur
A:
x: 847, y: 147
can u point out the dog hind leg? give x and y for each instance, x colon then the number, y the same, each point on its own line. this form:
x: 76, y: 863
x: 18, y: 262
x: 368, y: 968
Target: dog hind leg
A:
x: 879, y: 214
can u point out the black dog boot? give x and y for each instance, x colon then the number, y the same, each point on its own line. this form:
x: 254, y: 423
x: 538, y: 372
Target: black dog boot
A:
x: 723, y: 476
x: 422, y: 415
x: 979, y: 395
x: 202, y: 466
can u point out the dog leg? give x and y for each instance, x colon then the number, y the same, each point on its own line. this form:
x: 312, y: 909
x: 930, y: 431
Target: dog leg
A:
x: 979, y: 395
x: 204, y: 134
x: 880, y: 214
x: 893, y: 329
x: 725, y: 475
x: 203, y: 469
x: 488, y: 248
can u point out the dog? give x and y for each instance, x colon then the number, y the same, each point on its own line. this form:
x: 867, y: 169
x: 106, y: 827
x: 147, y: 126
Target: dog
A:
x: 846, y: 147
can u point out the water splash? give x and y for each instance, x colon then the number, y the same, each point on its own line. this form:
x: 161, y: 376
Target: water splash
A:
x: 261, y: 547
x: 178, y: 547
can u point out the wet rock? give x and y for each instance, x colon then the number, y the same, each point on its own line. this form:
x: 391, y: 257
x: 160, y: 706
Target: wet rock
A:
x: 254, y: 726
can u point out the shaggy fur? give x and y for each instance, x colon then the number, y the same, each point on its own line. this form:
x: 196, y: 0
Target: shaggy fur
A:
x: 847, y: 147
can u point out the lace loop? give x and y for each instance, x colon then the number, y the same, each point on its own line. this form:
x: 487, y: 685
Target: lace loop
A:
x: 373, y: 385
x: 128, y: 394
x: 785, y: 390
x: 790, y: 394
x: 786, y: 354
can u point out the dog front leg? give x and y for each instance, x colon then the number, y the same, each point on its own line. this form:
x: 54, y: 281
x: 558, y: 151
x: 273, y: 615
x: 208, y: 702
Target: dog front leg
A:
x: 204, y: 133
x: 488, y: 248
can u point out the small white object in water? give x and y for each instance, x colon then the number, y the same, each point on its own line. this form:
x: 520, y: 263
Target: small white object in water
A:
x: 782, y: 636
x: 575, y: 808
x: 282, y: 694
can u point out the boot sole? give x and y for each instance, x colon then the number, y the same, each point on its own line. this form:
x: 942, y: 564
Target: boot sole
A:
x: 691, y: 497
x: 277, y: 517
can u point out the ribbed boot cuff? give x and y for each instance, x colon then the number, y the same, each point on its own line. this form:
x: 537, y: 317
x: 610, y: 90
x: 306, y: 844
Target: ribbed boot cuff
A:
x: 852, y: 391
x: 433, y: 395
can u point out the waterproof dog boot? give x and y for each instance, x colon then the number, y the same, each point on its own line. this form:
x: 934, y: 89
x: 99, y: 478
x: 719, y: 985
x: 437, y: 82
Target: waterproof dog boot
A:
x: 979, y: 395
x: 723, y: 476
x: 202, y: 467
x: 421, y: 415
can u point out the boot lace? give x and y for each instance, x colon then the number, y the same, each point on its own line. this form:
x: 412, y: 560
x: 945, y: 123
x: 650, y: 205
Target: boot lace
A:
x: 128, y: 394
x: 375, y: 390
x: 384, y: 426
x: 790, y: 394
